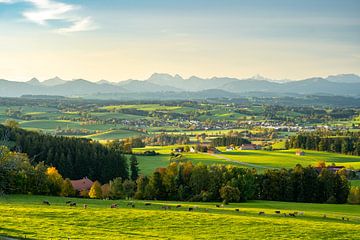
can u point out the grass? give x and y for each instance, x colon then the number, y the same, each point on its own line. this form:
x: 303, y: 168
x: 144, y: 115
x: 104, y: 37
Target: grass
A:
x: 355, y: 183
x: 258, y: 159
x: 288, y: 159
x: 114, y: 134
x: 25, y: 216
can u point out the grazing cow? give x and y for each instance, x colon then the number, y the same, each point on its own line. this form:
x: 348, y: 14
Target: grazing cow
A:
x: 178, y: 206
x: 147, y: 204
x: 67, y: 202
x: 292, y: 214
x: 296, y: 213
x: 72, y: 204
x: 217, y: 205
x: 191, y: 209
x: 222, y: 205
x: 237, y: 210
x: 261, y: 213
x: 343, y: 218
x: 277, y: 212
x: 85, y: 206
x: 46, y: 202
x: 114, y: 205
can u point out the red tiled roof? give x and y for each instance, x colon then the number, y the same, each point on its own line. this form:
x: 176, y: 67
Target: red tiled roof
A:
x: 82, y: 184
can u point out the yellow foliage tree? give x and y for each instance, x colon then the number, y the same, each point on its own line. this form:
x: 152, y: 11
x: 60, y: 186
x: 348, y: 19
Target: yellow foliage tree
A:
x: 95, y: 190
x: 55, y: 180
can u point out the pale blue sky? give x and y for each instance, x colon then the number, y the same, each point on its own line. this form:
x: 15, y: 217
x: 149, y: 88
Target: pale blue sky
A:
x: 121, y: 39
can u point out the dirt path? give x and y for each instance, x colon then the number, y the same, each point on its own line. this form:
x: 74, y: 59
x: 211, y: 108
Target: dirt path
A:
x: 220, y: 156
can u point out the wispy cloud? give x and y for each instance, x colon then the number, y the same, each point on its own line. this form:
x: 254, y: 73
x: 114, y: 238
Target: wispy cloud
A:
x: 45, y: 12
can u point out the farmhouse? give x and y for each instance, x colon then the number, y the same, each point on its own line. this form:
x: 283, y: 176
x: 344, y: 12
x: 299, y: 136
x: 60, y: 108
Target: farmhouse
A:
x: 213, y: 150
x: 82, y: 184
x: 249, y: 147
x: 299, y: 153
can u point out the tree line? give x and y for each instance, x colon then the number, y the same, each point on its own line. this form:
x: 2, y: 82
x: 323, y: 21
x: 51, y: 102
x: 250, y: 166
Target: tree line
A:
x: 338, y: 142
x: 73, y: 157
x: 229, y: 140
x: 188, y: 182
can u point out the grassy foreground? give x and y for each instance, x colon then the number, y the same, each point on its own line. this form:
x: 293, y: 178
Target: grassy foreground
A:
x: 26, y: 216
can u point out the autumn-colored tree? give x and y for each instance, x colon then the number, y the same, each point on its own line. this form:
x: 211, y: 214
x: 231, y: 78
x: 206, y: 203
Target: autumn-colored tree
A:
x: 105, y: 189
x: 67, y: 189
x: 55, y: 180
x: 229, y: 194
x: 320, y: 164
x: 95, y: 190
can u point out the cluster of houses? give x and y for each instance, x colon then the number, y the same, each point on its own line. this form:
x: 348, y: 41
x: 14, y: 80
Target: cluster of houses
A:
x: 244, y: 147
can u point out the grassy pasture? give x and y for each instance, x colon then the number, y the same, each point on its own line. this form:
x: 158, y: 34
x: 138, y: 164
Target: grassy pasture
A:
x: 114, y: 134
x: 258, y: 159
x: 26, y: 216
x: 355, y: 183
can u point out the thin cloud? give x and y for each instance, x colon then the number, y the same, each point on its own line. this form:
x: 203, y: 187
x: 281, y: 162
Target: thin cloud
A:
x: 45, y: 11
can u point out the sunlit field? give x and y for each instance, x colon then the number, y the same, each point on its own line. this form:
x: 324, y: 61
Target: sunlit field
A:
x: 26, y: 216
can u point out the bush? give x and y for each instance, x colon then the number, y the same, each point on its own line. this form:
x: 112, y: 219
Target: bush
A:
x: 229, y: 194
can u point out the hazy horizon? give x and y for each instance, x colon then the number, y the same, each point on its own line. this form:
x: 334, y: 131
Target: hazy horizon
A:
x: 121, y: 40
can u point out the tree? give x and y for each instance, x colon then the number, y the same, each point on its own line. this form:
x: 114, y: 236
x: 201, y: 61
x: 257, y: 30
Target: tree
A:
x: 95, y: 190
x: 116, y: 189
x: 105, y: 189
x: 11, y: 123
x: 55, y: 180
x: 129, y: 188
x: 354, y: 195
x: 134, y: 168
x: 67, y: 189
x: 229, y: 194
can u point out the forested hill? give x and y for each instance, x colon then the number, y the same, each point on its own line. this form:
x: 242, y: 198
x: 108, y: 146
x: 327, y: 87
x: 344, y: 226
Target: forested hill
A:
x: 73, y: 157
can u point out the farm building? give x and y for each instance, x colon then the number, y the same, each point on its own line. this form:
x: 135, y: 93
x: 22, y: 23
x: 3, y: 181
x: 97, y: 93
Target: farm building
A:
x: 213, y: 150
x: 249, y: 147
x: 299, y: 153
x: 230, y: 148
x: 82, y: 184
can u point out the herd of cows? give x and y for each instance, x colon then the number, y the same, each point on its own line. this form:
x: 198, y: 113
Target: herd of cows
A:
x: 191, y: 209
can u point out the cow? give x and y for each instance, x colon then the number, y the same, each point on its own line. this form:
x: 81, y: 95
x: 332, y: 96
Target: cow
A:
x: 178, y: 206
x: 147, y: 204
x: 237, y: 210
x: 46, y: 202
x: 191, y: 209
x: 292, y: 214
x: 261, y: 213
x: 85, y: 206
x: 217, y: 205
x: 114, y: 205
x: 72, y: 204
x: 277, y: 212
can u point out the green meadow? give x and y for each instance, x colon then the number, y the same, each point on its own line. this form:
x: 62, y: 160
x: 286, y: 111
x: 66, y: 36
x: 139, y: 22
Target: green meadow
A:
x: 26, y: 217
x: 259, y: 159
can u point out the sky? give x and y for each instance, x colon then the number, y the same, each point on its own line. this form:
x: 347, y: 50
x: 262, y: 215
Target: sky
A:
x: 131, y: 39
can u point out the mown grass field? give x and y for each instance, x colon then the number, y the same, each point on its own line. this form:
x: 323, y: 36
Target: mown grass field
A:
x: 258, y: 159
x: 26, y: 216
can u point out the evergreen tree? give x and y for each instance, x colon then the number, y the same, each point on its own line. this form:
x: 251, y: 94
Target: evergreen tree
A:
x: 134, y: 168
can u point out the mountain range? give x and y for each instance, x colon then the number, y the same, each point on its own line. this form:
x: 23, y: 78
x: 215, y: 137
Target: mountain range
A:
x: 343, y: 84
